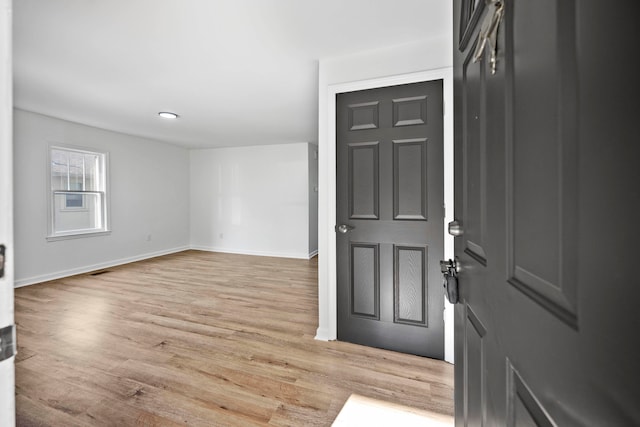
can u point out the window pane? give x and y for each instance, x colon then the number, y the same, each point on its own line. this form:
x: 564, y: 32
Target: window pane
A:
x: 76, y: 171
x: 74, y: 201
x: 59, y: 169
x: 88, y: 218
x: 91, y: 170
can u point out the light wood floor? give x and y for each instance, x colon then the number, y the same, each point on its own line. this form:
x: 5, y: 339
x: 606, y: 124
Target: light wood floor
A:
x: 199, y: 338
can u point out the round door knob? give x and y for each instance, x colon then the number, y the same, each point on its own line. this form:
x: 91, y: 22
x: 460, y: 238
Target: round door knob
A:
x: 455, y: 229
x: 344, y: 228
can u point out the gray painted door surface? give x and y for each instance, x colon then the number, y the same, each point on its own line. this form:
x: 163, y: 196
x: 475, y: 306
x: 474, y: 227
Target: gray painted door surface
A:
x: 390, y: 189
x: 547, y: 192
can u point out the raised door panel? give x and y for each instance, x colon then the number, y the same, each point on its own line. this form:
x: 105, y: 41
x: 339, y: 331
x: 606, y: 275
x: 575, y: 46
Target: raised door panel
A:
x: 469, y: 16
x: 363, y: 116
x: 364, y: 180
x: 523, y: 407
x: 365, y: 280
x: 474, y: 369
x: 410, y: 111
x: 410, y: 179
x: 474, y: 159
x: 542, y: 155
x: 410, y: 285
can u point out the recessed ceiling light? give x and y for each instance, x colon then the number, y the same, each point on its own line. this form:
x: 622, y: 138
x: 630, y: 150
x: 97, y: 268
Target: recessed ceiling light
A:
x: 168, y: 115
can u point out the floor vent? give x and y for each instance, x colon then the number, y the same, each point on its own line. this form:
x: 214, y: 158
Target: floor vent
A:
x: 97, y: 273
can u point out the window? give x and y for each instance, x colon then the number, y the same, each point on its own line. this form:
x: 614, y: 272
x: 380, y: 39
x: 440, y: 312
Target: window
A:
x: 78, y: 192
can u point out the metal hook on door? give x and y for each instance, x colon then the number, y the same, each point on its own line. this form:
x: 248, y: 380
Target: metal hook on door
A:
x: 489, y: 33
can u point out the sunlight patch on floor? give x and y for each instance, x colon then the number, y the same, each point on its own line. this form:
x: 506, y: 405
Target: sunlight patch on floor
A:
x: 364, y: 411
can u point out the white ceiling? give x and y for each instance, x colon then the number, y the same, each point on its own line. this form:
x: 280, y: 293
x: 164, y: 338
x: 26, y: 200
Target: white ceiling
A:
x: 239, y: 72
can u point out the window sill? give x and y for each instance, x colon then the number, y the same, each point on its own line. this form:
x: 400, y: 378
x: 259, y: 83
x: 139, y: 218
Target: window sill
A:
x: 78, y: 235
x: 78, y: 209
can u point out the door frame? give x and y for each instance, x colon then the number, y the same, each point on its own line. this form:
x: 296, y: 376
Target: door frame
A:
x: 7, y: 372
x: 327, y: 268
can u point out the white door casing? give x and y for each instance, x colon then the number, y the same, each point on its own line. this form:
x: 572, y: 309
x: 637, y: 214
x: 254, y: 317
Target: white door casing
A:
x: 7, y: 378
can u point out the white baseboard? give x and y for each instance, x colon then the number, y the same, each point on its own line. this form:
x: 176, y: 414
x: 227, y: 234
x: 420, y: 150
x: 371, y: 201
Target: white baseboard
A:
x: 322, y: 334
x: 249, y: 252
x: 86, y: 269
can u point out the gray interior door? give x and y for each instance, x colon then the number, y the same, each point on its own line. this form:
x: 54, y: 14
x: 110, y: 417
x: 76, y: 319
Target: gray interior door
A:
x: 545, y: 161
x: 390, y: 216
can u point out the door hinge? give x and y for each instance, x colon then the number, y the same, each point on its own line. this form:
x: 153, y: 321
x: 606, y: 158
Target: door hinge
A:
x: 7, y: 342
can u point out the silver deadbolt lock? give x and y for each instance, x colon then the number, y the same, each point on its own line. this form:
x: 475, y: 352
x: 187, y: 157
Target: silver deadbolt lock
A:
x: 449, y: 269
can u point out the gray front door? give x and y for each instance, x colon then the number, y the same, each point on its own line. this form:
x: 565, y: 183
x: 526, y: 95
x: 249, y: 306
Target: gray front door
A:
x: 546, y: 153
x: 390, y: 217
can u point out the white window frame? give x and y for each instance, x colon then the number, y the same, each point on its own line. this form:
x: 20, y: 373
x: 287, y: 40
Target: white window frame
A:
x: 52, y: 234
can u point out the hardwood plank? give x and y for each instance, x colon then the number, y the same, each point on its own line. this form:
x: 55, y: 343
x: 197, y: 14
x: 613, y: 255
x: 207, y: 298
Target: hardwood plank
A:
x: 212, y: 391
x: 34, y: 413
x: 116, y: 413
x: 200, y: 338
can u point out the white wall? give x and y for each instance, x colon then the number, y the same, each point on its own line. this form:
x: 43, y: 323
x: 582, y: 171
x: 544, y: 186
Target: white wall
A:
x: 148, y: 192
x: 164, y: 198
x: 383, y: 67
x: 251, y: 200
